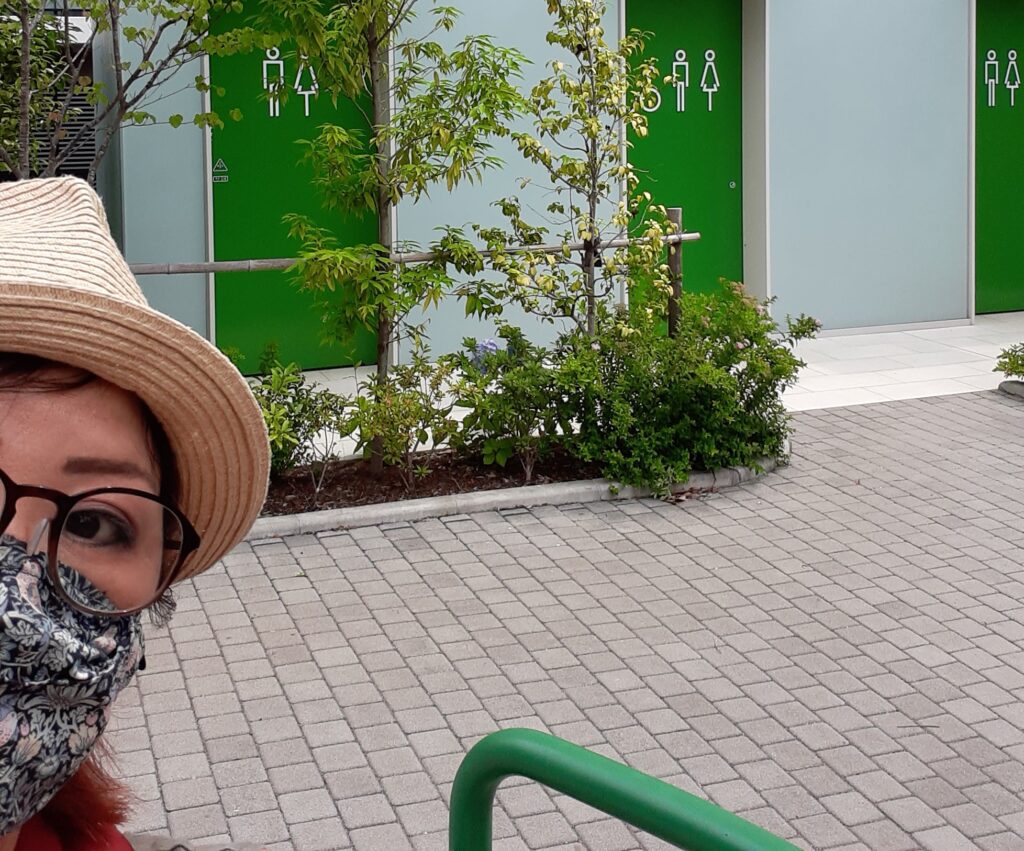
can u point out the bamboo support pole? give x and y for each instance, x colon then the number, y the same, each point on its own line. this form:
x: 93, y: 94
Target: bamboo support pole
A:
x: 675, y: 265
x: 398, y: 259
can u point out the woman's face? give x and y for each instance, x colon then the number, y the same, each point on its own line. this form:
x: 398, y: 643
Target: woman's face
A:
x: 72, y: 441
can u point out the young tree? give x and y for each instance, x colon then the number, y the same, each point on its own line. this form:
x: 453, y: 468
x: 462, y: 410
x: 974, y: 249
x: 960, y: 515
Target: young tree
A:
x: 431, y: 113
x: 42, y: 59
x: 581, y: 115
x: 431, y: 118
x: 48, y: 64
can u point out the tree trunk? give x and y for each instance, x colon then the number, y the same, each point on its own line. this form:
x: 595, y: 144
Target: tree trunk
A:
x: 675, y: 265
x: 380, y: 84
x: 592, y: 245
x: 589, y: 255
x: 24, y: 154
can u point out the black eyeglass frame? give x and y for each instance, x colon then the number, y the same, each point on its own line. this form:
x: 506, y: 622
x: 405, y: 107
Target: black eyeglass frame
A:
x: 13, y: 491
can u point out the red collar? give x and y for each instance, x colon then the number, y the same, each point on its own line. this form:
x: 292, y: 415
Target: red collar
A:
x: 37, y: 835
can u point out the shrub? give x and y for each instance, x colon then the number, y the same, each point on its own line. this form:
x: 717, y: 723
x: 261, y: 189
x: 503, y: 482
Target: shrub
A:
x: 269, y: 357
x: 304, y: 423
x: 233, y: 354
x: 1011, y: 362
x: 645, y: 407
x: 735, y: 333
x: 405, y: 411
x: 512, y: 397
x: 632, y: 390
x: 650, y: 408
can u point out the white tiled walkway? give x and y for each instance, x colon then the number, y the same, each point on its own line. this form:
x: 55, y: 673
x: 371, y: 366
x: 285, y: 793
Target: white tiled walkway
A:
x: 863, y: 368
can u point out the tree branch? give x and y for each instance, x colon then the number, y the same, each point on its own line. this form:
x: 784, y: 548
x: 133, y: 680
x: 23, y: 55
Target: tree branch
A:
x: 58, y: 154
x: 402, y: 13
x: 122, y: 103
x: 29, y: 23
x: 115, y: 31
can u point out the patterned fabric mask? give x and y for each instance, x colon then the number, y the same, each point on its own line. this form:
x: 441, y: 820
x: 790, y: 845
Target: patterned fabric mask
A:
x: 60, y: 671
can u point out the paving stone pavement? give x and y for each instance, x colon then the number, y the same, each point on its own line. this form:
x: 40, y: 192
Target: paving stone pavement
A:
x: 835, y: 652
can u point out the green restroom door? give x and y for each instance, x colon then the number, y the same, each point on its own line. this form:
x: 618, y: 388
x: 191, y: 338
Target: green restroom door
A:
x: 257, y: 179
x: 693, y: 153
x: 999, y: 267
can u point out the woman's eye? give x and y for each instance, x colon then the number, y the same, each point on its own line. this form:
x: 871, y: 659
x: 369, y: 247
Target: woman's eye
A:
x: 97, y: 527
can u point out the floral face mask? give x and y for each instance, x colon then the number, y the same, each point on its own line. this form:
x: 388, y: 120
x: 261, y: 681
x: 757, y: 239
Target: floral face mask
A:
x: 60, y: 670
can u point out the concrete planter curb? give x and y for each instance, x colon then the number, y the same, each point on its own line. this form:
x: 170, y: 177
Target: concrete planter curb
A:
x: 1013, y: 388
x: 558, y: 493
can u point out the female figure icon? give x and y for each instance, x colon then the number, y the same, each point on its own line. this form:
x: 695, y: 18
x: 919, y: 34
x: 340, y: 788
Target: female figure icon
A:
x: 1012, y: 80
x: 709, y: 82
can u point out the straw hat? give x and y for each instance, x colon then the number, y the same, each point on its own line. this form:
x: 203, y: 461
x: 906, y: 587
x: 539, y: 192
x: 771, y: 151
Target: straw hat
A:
x: 67, y: 294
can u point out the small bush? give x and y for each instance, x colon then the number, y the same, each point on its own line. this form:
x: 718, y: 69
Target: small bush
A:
x: 632, y: 390
x: 1011, y: 362
x: 645, y: 407
x: 512, y: 397
x: 269, y: 357
x: 304, y: 423
x: 233, y: 354
x: 405, y: 412
x: 650, y: 408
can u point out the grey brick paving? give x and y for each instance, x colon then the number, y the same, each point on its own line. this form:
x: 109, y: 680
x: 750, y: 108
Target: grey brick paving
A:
x: 835, y: 652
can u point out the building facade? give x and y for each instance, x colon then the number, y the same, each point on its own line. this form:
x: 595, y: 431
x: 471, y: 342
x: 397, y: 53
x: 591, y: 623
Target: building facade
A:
x: 855, y: 160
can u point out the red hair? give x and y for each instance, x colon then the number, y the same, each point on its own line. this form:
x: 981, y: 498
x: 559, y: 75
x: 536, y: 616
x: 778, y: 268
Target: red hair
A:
x: 90, y: 803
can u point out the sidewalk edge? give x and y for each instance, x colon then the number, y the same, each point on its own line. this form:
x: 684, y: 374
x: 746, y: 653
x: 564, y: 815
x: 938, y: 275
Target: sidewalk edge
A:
x: 558, y: 493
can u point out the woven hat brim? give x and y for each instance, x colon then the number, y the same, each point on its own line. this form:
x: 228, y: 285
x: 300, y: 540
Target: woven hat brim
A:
x: 213, y: 423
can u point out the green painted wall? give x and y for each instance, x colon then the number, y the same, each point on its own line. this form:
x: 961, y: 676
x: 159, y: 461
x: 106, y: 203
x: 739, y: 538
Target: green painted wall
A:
x: 999, y: 267
x: 693, y: 155
x: 257, y: 179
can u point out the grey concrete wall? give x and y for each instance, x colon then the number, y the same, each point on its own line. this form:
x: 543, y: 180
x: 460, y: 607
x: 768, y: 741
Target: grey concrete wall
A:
x: 163, y: 174
x: 755, y: 175
x: 108, y: 175
x: 868, y: 133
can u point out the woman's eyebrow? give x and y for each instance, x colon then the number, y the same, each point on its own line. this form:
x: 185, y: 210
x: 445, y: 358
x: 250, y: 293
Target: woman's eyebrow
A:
x: 107, y: 467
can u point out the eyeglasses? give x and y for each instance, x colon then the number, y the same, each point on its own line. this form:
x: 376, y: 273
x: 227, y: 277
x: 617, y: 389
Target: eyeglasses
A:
x: 110, y: 551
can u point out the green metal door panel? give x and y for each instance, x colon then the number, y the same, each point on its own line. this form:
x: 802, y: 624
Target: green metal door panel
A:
x: 693, y: 153
x: 257, y: 179
x: 1000, y: 167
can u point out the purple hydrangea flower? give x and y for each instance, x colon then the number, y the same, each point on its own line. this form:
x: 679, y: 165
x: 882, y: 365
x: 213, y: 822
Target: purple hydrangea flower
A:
x: 481, y: 351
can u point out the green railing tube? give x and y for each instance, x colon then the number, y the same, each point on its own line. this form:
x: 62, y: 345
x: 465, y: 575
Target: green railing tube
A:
x: 643, y: 801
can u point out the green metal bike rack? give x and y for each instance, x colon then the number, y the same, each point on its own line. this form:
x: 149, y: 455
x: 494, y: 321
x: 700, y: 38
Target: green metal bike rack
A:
x: 643, y: 801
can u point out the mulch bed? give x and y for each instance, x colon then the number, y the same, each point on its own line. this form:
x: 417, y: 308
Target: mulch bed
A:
x: 350, y: 482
